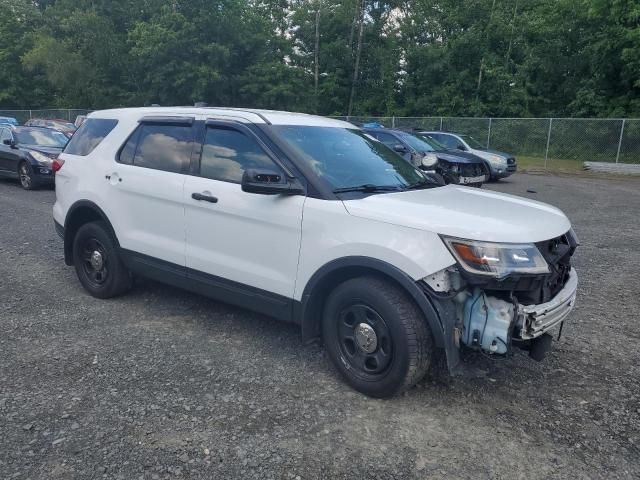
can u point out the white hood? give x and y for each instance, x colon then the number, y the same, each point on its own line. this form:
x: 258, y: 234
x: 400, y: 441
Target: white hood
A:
x: 465, y: 213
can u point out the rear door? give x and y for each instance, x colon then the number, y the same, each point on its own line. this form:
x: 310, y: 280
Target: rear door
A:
x: 147, y: 185
x: 242, y: 242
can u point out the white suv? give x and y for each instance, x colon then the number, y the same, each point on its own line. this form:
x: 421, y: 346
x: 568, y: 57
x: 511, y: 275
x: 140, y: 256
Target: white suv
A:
x: 313, y: 221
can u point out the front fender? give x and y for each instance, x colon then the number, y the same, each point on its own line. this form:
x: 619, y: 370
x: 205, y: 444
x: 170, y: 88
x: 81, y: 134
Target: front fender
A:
x: 439, y: 315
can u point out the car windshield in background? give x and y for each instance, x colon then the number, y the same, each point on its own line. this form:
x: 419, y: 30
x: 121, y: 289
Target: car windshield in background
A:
x: 432, y: 141
x: 68, y: 126
x: 417, y: 143
x: 473, y: 143
x: 40, y: 136
x: 348, y: 158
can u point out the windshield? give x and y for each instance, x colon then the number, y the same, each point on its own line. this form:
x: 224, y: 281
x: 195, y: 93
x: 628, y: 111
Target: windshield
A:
x: 40, y: 136
x: 347, y: 157
x: 473, y: 143
x: 56, y: 124
x: 432, y: 141
x: 417, y: 143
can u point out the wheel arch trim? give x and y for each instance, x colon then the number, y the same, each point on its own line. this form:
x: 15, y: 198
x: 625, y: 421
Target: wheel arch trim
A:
x: 71, y: 225
x: 316, y: 289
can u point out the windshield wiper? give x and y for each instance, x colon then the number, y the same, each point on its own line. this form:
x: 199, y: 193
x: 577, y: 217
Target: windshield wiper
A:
x: 426, y: 183
x: 368, y: 188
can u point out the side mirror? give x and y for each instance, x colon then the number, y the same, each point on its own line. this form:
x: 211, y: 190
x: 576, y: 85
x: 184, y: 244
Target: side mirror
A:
x: 461, y: 147
x: 269, y: 182
x: 400, y: 148
x: 9, y: 141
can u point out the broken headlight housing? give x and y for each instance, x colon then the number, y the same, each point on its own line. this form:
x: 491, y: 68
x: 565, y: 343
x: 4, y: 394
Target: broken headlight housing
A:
x: 496, y: 259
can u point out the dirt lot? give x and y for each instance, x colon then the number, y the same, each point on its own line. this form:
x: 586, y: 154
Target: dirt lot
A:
x: 165, y: 384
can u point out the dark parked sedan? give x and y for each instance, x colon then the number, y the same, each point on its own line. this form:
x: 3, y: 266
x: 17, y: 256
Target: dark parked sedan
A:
x: 428, y: 155
x: 27, y: 153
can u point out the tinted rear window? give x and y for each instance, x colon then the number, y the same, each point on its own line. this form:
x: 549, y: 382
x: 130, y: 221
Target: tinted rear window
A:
x: 158, y: 146
x: 89, y: 135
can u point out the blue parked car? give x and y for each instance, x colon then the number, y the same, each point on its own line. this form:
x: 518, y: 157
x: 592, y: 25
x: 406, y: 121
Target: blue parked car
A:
x: 9, y: 121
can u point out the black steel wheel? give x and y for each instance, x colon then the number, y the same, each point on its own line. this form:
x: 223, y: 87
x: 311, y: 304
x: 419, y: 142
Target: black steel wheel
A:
x: 97, y: 263
x: 365, y: 341
x: 376, y: 336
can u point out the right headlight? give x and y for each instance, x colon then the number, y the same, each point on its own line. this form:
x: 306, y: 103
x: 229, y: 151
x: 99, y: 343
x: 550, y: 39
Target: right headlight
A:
x: 496, y: 259
x: 41, y: 158
x: 429, y: 160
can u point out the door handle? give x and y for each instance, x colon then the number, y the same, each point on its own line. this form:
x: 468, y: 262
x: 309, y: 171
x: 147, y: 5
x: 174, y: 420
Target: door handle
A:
x: 204, y: 198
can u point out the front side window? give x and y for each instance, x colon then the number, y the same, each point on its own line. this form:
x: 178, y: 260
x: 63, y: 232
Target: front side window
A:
x: 4, y: 135
x: 227, y: 153
x: 40, y: 136
x: 346, y: 157
x: 89, y: 136
x: 160, y: 147
x: 448, y: 141
x: 472, y: 142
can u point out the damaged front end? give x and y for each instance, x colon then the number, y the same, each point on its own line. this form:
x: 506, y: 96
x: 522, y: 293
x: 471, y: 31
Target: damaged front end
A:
x: 501, y: 296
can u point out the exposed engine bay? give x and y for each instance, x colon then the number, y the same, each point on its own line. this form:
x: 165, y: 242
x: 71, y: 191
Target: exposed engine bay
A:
x: 492, y: 315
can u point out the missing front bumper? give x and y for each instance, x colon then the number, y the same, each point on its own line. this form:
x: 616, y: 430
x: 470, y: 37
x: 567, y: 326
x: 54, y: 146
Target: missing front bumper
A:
x: 534, y: 320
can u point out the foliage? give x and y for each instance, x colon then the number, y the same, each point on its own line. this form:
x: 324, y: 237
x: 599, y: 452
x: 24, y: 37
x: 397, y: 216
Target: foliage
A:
x: 413, y: 57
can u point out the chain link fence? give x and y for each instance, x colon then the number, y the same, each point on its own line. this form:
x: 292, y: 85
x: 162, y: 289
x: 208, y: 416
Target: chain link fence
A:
x: 554, y: 143
x: 68, y: 114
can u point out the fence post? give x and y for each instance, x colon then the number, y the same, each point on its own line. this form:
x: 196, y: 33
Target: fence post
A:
x: 546, y: 153
x: 30, y: 115
x: 489, y: 134
x: 620, y: 141
x: 393, y: 122
x: 440, y: 123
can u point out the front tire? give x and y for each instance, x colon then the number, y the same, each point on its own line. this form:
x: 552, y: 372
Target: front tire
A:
x: 25, y: 173
x: 97, y: 263
x: 376, y: 336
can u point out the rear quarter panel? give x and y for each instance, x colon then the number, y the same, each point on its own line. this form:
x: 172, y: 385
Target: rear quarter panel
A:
x: 83, y: 177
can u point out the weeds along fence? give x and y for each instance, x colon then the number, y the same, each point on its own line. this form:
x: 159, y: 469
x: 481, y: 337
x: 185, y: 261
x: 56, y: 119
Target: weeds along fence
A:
x: 543, y: 142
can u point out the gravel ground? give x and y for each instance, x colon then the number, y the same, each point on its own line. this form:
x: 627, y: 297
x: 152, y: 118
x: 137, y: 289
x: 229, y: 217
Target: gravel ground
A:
x: 165, y: 384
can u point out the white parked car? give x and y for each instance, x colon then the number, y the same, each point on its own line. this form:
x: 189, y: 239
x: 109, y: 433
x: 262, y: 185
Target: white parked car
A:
x: 313, y: 221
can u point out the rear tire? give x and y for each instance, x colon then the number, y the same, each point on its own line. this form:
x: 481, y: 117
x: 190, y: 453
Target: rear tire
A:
x: 97, y: 263
x: 376, y: 336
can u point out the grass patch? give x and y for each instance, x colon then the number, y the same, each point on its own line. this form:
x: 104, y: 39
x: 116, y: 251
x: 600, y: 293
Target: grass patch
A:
x: 553, y: 164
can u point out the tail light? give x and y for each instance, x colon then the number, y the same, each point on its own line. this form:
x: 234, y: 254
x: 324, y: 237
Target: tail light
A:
x: 57, y: 165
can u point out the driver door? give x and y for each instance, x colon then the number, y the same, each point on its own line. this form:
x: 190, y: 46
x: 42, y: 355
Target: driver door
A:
x: 7, y: 154
x: 244, y: 244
